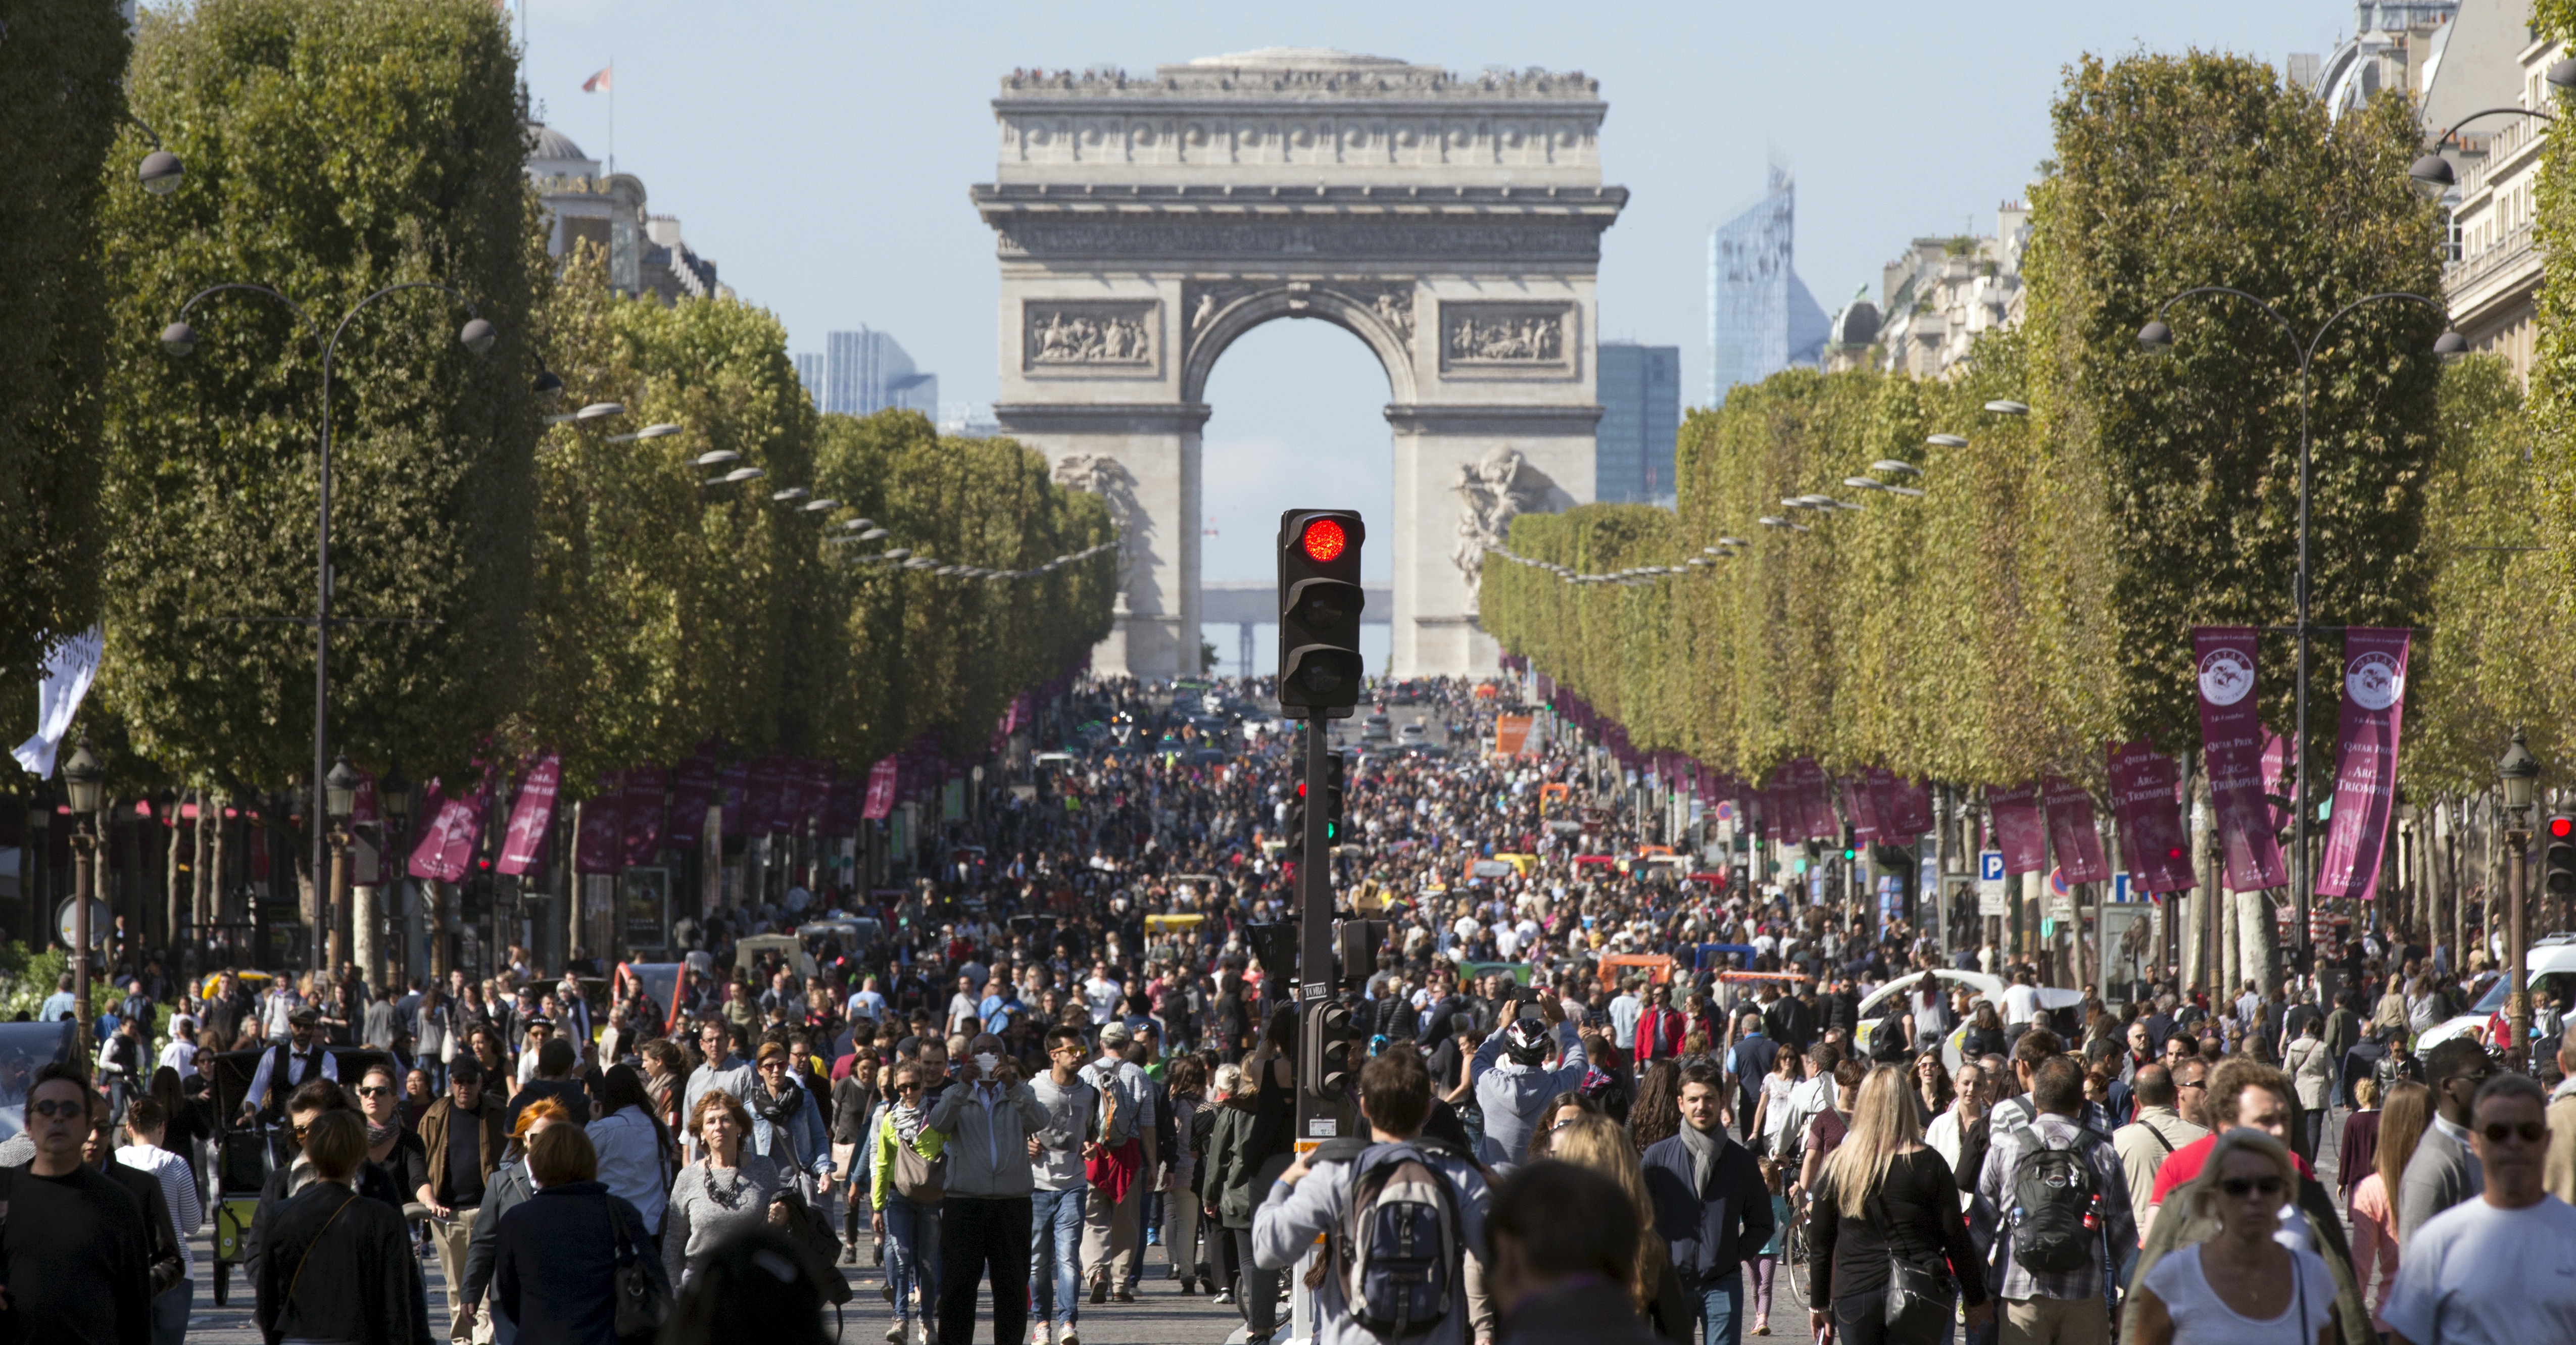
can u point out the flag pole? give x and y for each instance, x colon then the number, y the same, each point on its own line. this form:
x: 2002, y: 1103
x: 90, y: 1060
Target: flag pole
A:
x: 612, y: 114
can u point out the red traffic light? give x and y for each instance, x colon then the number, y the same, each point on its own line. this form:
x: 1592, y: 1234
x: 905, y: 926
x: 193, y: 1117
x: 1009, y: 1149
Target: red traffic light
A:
x: 2561, y: 827
x: 1323, y: 539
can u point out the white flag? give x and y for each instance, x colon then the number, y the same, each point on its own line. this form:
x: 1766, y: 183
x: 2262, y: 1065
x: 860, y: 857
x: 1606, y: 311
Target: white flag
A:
x: 69, y: 669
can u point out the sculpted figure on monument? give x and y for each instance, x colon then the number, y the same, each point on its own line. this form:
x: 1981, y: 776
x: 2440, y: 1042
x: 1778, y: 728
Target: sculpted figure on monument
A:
x: 1107, y: 477
x: 1494, y: 492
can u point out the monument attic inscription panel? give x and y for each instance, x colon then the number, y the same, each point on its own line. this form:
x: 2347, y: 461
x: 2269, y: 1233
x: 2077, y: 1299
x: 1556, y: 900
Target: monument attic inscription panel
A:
x: 1451, y: 223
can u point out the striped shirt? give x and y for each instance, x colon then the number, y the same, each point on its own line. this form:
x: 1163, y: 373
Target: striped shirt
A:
x: 178, y: 1190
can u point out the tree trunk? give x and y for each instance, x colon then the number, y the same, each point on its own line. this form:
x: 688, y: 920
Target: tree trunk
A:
x: 2256, y: 937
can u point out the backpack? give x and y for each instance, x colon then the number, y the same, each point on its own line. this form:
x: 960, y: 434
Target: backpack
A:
x: 1397, y: 1251
x: 2054, y: 1202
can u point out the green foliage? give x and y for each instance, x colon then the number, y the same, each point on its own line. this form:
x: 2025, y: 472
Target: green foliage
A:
x: 2038, y: 602
x: 332, y: 149
x: 26, y: 981
x: 2551, y: 417
x: 60, y: 106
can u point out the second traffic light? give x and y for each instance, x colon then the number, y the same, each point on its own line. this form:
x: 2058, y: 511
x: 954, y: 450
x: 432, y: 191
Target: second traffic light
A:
x: 2558, y: 857
x: 1319, y: 609
x: 1332, y: 804
x: 1324, y: 1047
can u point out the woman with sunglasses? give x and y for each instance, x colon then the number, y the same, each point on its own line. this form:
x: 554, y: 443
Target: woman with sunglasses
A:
x: 397, y: 1164
x: 908, y: 1222
x: 787, y: 1123
x: 2241, y: 1287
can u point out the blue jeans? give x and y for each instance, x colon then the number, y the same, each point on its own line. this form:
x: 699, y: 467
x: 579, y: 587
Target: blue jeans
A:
x: 170, y: 1313
x: 1720, y: 1304
x: 1055, y: 1243
x: 912, y: 1256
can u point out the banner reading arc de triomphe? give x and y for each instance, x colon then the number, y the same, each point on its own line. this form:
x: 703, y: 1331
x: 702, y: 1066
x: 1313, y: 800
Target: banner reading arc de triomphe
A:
x: 1452, y: 223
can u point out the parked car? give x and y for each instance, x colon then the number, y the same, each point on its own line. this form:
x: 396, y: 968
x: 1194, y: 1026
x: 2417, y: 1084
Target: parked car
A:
x: 1376, y: 727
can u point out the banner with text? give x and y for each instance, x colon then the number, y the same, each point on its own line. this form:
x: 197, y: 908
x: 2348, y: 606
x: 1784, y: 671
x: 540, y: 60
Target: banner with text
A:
x: 2019, y: 833
x: 2151, y: 831
x: 531, y: 816
x: 2365, y: 792
x: 2233, y: 743
x: 2071, y: 832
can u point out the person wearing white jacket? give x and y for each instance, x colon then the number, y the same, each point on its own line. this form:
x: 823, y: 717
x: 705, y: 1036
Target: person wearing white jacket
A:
x: 144, y: 1126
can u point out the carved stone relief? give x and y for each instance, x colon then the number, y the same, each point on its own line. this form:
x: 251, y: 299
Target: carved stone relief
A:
x: 1390, y: 302
x: 1507, y: 337
x: 1107, y: 477
x: 1492, y: 493
x: 1088, y: 336
x: 1518, y: 242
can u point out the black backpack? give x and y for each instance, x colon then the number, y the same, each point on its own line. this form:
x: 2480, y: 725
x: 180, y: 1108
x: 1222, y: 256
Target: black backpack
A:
x: 1397, y: 1251
x: 2056, y: 1199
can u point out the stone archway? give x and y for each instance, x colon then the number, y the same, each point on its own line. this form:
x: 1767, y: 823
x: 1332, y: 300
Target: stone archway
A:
x: 1451, y: 224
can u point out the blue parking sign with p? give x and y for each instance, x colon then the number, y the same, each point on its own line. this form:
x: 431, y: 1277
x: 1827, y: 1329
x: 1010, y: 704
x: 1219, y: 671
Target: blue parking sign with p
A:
x: 1990, y: 866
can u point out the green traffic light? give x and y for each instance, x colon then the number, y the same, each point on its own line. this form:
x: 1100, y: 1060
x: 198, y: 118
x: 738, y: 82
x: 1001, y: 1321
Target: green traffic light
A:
x: 1850, y: 854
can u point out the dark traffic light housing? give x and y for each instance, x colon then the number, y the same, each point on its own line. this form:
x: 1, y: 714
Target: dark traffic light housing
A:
x: 2558, y: 857
x: 1319, y: 611
x: 1332, y: 804
x: 1326, y: 1063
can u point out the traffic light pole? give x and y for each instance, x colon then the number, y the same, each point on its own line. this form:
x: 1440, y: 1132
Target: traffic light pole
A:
x: 1315, y: 972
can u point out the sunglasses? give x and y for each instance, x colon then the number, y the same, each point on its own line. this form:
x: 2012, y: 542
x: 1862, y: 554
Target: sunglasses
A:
x: 65, y: 1110
x: 2531, y: 1132
x: 907, y: 1088
x: 2240, y: 1187
x: 378, y: 1091
x: 2201, y: 1084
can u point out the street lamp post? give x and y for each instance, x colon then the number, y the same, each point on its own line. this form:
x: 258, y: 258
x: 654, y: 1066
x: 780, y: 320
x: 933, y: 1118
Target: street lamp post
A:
x: 180, y: 339
x: 393, y: 793
x: 2517, y: 771
x: 81, y: 779
x: 340, y: 801
x: 2157, y: 339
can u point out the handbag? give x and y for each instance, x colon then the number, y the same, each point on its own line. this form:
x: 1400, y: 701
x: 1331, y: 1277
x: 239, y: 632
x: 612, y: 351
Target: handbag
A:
x: 1918, y: 1302
x: 643, y: 1302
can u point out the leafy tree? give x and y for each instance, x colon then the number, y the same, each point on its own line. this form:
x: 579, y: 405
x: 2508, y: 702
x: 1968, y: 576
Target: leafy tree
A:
x: 332, y: 149
x: 60, y: 106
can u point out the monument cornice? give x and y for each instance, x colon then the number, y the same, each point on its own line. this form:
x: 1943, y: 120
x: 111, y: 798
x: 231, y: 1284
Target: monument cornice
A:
x: 1000, y: 200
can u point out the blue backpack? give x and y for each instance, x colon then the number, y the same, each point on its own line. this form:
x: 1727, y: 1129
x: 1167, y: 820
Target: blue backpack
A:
x: 1397, y: 1253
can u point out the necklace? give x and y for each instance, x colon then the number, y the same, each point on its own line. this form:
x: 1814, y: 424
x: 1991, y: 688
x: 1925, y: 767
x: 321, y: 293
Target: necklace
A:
x: 727, y: 1191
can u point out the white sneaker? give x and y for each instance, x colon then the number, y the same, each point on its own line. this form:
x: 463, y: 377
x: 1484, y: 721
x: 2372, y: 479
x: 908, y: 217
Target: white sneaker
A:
x: 922, y: 1336
x: 894, y: 1333
x: 1070, y: 1337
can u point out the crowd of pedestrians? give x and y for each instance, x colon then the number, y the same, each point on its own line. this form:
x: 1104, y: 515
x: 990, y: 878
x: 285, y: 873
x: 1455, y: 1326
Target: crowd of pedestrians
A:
x: 1598, y: 1097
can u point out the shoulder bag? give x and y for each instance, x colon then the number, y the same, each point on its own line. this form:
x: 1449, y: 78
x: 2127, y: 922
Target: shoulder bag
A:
x: 1918, y: 1302
x: 642, y: 1301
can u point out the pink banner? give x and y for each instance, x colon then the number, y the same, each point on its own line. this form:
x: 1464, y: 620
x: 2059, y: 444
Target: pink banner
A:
x: 447, y: 840
x: 530, y: 817
x: 1887, y: 807
x: 1861, y: 809
x: 842, y: 806
x: 2151, y: 833
x: 2365, y: 792
x: 2019, y: 832
x: 881, y: 780
x: 640, y: 815
x: 1815, y: 809
x: 363, y: 807
x: 2071, y: 834
x: 733, y: 793
x: 2277, y: 781
x: 600, y: 848
x: 2241, y: 764
x: 1913, y: 809
x: 693, y: 791
x: 764, y: 809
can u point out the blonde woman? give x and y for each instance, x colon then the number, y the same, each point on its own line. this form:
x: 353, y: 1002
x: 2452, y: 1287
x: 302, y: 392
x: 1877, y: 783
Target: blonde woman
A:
x: 1884, y: 1196
x: 2402, y: 1118
x: 1594, y: 1141
x: 2241, y: 1287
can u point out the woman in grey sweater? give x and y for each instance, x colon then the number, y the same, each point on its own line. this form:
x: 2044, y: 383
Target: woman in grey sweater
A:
x: 724, y: 1192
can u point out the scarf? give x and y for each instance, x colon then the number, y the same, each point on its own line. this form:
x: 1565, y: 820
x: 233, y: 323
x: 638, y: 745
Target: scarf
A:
x: 385, y: 1134
x: 1702, y: 1147
x: 907, y: 1123
x: 776, y: 1108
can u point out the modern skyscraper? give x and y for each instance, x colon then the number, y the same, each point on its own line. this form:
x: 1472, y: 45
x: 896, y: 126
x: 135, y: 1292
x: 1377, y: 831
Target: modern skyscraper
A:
x: 809, y: 371
x: 1761, y: 319
x: 865, y: 372
x: 1641, y: 413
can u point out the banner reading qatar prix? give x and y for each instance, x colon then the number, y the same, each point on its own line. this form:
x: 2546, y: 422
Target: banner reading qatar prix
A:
x: 2070, y: 831
x: 2142, y: 798
x: 881, y: 781
x: 2365, y: 794
x: 531, y: 816
x: 2019, y: 833
x: 2232, y: 739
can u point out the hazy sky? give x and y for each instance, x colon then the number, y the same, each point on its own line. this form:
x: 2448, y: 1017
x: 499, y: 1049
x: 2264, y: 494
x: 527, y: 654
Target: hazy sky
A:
x: 820, y: 152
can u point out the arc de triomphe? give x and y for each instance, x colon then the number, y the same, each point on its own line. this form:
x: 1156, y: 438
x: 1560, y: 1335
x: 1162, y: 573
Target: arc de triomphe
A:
x: 1451, y: 223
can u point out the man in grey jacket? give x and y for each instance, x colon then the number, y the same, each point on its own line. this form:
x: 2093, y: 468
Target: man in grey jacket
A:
x: 985, y: 1122
x: 1513, y: 1083
x: 2444, y: 1170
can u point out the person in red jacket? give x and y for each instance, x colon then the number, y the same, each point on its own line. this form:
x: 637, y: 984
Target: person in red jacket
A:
x: 1659, y: 1028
